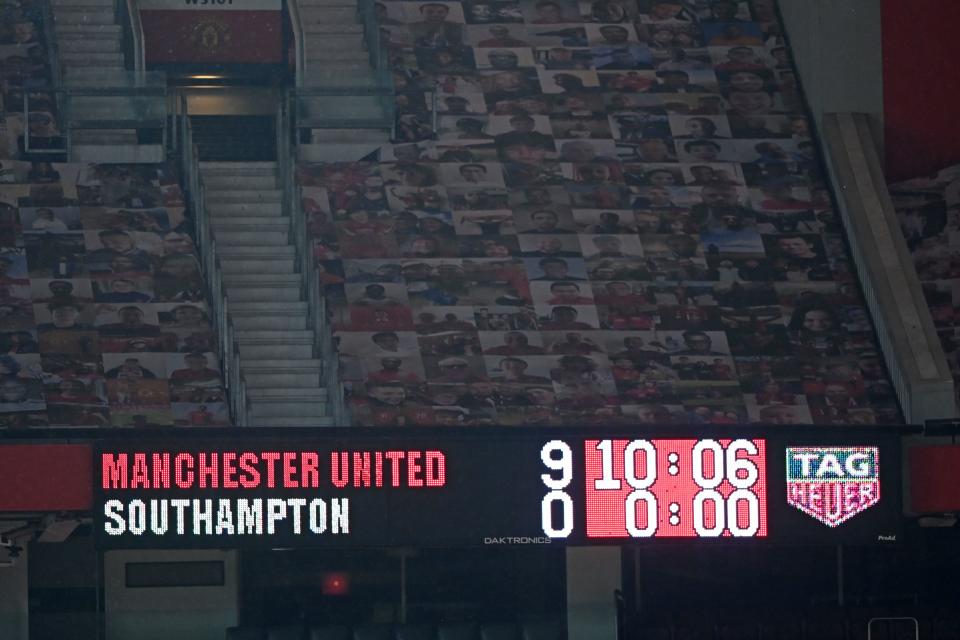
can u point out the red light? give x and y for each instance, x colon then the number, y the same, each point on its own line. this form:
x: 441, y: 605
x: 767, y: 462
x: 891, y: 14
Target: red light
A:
x: 335, y: 583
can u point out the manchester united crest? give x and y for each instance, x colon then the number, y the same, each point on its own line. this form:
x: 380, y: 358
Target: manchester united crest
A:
x: 210, y: 34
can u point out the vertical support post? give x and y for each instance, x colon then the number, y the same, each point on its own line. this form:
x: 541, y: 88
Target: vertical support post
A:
x: 403, y: 587
x: 840, y: 577
x: 593, y: 574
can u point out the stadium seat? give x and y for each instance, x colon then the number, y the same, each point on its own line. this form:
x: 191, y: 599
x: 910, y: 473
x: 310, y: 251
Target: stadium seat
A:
x: 330, y: 632
x: 542, y: 630
x: 245, y: 633
x: 416, y: 632
x: 457, y: 631
x: 499, y: 631
x: 285, y: 633
x: 373, y: 632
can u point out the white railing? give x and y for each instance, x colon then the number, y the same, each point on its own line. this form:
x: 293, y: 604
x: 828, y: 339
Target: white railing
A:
x: 913, y: 353
x: 136, y: 35
x: 318, y: 317
x: 227, y: 349
x: 299, y: 41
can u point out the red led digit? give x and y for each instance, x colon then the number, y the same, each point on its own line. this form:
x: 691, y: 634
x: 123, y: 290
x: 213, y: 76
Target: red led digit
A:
x: 675, y: 488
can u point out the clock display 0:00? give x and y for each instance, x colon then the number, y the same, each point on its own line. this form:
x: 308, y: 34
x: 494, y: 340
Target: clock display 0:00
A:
x: 658, y: 488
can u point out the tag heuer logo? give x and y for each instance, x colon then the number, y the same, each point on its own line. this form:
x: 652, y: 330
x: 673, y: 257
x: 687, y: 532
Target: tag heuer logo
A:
x: 833, y: 484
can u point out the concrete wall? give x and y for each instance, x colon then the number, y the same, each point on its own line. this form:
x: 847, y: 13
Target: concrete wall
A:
x: 197, y: 613
x: 837, y: 47
x: 13, y: 599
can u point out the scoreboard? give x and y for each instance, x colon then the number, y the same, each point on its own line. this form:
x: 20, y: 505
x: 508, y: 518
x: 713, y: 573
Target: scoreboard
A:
x: 368, y: 488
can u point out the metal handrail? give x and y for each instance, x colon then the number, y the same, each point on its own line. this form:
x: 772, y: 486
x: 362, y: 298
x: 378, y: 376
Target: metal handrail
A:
x: 318, y: 318
x: 299, y: 46
x: 64, y: 129
x: 136, y: 34
x: 227, y: 346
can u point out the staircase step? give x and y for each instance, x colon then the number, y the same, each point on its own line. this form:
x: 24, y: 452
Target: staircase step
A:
x: 316, y: 394
x: 87, y: 58
x: 346, y: 41
x: 328, y: 15
x: 239, y: 183
x: 333, y: 56
x: 233, y: 167
x: 245, y: 209
x: 291, y: 336
x: 67, y: 31
x: 342, y: 67
x: 269, y: 321
x: 262, y: 306
x: 93, y: 45
x: 254, y: 235
x: 271, y: 266
x: 271, y: 349
x: 293, y: 421
x: 263, y: 294
x: 253, y: 251
x: 292, y: 378
x: 268, y: 365
x: 230, y: 196
x: 314, y: 28
x: 234, y: 280
x: 74, y: 14
x: 245, y: 223
x: 282, y: 407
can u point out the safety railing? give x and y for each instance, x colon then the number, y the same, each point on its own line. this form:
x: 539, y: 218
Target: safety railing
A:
x: 299, y: 46
x: 318, y: 317
x: 114, y: 101
x: 128, y: 15
x: 45, y: 114
x: 328, y: 107
x: 227, y: 347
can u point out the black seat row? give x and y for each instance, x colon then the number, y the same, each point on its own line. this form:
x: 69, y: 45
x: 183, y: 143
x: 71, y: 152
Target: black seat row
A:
x: 530, y: 630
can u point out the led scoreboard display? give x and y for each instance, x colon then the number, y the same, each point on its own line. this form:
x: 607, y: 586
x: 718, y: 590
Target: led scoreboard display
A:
x: 493, y: 487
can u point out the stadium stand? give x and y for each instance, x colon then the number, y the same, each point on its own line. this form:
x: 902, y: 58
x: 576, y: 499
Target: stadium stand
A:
x: 593, y: 213
x: 106, y: 320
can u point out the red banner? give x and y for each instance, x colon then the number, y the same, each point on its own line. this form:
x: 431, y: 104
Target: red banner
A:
x: 935, y: 479
x: 46, y: 477
x: 212, y: 36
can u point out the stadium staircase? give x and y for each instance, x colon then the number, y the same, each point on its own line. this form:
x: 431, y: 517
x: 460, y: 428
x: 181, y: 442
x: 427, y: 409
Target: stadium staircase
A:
x: 265, y: 294
x: 343, y: 98
x: 90, y: 45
